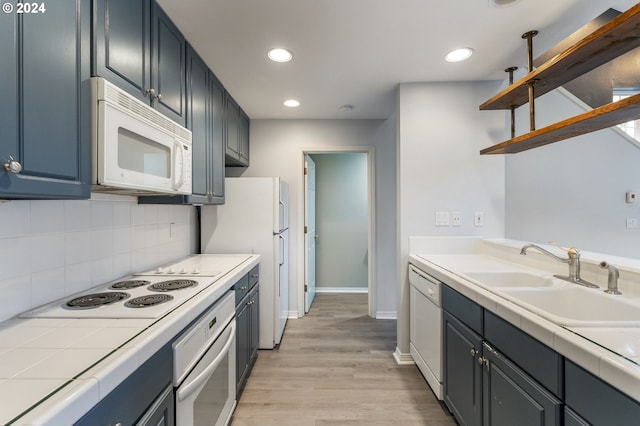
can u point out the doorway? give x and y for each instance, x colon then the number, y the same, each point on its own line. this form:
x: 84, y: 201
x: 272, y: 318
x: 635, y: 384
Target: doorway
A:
x: 338, y: 218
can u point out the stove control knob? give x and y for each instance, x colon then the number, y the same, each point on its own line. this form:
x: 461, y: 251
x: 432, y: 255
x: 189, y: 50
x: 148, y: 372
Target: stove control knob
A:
x: 159, y: 271
x: 196, y: 270
x: 170, y: 271
x: 183, y: 271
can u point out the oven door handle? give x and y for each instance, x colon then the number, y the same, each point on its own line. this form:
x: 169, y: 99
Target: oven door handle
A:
x: 185, y: 391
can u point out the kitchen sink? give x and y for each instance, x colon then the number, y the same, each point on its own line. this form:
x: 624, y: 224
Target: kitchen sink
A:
x: 511, y: 279
x: 577, y: 306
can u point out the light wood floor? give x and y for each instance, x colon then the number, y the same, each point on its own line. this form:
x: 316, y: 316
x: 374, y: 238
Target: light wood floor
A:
x: 335, y: 366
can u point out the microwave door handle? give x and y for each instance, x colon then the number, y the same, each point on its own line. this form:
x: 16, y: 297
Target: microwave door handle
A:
x: 177, y: 146
x: 186, y: 390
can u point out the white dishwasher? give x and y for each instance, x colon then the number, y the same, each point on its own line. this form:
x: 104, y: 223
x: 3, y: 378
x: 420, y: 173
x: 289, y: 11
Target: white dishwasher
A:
x: 425, y: 327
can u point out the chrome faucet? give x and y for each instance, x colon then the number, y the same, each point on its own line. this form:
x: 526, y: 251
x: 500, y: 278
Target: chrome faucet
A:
x: 612, y: 281
x: 573, y: 259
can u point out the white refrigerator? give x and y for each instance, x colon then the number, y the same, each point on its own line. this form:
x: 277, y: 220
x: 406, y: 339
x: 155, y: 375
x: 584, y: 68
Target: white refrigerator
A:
x: 255, y: 219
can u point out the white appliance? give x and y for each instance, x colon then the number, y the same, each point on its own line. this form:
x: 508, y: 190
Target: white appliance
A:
x: 136, y: 150
x: 151, y: 294
x: 425, y: 327
x: 204, y: 372
x: 255, y: 219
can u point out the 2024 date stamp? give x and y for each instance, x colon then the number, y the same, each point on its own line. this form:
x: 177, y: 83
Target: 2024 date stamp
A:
x: 24, y: 8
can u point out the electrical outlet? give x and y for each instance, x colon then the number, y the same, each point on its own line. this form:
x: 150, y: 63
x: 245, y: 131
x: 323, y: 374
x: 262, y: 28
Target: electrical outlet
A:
x: 632, y: 222
x: 478, y: 219
x: 456, y: 218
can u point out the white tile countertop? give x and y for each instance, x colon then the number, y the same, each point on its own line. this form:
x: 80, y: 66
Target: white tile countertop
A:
x: 53, y: 370
x: 610, y: 353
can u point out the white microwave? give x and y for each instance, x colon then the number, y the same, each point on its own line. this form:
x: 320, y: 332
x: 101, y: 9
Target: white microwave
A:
x: 136, y: 150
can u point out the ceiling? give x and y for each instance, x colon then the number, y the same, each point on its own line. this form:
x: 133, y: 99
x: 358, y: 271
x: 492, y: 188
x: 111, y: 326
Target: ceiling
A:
x: 356, y: 52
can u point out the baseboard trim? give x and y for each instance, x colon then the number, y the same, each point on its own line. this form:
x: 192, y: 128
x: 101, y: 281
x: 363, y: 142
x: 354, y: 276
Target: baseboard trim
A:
x: 387, y: 315
x: 342, y: 290
x: 403, y: 358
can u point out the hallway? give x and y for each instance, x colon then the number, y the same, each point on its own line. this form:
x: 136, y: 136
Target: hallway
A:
x: 335, y: 367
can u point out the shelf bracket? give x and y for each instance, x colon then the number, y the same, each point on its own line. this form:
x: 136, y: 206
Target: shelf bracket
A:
x: 529, y: 35
x: 510, y: 70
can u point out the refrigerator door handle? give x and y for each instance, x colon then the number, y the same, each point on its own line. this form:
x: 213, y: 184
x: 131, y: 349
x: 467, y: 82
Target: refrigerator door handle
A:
x: 281, y: 225
x: 281, y: 250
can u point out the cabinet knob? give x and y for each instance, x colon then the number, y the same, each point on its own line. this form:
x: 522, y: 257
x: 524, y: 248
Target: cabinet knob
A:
x: 159, y: 96
x: 483, y: 361
x: 150, y: 92
x: 12, y: 166
x: 243, y: 288
x: 474, y: 352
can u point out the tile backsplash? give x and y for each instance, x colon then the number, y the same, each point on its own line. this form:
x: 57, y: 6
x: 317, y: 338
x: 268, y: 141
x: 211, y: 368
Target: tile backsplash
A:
x: 51, y: 249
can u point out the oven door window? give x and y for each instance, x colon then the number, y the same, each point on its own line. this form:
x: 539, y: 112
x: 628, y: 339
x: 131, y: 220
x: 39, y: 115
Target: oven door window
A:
x: 211, y: 401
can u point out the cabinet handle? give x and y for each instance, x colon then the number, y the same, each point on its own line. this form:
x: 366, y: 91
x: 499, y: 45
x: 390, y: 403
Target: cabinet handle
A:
x: 254, y: 275
x: 12, y: 166
x: 251, y: 302
x: 243, y: 288
x: 474, y: 352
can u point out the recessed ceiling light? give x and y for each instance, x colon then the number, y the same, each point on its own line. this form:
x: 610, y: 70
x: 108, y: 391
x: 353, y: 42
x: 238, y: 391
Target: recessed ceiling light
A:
x: 279, y: 54
x: 291, y: 103
x: 459, y: 54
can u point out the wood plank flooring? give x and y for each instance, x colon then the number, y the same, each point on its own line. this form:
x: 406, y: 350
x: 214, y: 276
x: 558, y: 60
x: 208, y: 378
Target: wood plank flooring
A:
x: 335, y: 366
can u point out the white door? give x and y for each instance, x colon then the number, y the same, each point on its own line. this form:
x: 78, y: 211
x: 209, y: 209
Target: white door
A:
x: 310, y: 235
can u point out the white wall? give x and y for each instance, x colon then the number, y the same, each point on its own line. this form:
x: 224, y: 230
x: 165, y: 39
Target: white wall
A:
x: 440, y: 134
x: 341, y: 220
x: 51, y: 249
x: 573, y: 191
x: 276, y: 150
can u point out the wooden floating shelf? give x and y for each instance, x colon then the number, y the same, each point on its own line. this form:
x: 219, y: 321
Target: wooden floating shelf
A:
x: 613, y: 39
x: 609, y: 115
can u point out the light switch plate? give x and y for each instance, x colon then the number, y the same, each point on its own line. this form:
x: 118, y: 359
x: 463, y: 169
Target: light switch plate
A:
x: 442, y: 218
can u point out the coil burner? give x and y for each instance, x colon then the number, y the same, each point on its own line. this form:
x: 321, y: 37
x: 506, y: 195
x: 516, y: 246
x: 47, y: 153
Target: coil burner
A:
x: 124, y: 285
x: 172, y: 285
x: 95, y: 300
x: 148, y: 300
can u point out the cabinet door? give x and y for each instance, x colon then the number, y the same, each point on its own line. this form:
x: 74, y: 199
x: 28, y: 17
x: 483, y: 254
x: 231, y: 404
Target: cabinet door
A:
x: 254, y: 331
x: 462, y: 373
x: 244, y: 139
x: 122, y: 44
x: 511, y: 397
x: 232, y: 131
x: 168, y: 67
x: 242, y: 344
x: 47, y: 62
x: 216, y: 168
x: 198, y: 123
x: 162, y: 412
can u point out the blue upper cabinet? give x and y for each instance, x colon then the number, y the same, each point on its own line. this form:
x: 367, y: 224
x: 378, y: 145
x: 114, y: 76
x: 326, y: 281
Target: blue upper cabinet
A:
x: 137, y: 47
x: 168, y: 67
x: 236, y: 134
x: 45, y: 144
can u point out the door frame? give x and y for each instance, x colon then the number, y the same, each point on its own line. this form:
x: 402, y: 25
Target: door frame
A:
x: 369, y: 150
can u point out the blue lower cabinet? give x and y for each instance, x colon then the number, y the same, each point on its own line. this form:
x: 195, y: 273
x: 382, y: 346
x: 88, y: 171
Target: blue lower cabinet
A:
x: 462, y: 372
x: 146, y: 396
x: 511, y: 397
x: 595, y: 401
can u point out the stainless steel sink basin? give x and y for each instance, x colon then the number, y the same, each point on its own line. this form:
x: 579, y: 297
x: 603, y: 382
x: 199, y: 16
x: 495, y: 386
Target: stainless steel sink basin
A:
x: 576, y: 306
x: 511, y: 279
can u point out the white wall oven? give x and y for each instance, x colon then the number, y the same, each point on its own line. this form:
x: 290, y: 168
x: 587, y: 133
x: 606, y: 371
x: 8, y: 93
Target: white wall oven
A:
x: 136, y: 150
x: 205, y: 367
